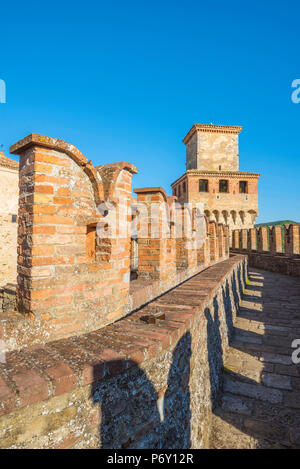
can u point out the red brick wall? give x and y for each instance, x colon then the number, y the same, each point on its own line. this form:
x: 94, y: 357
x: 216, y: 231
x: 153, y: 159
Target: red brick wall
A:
x: 262, y: 239
x: 74, y: 261
x: 265, y: 250
x: 291, y: 240
x: 268, y: 239
x: 275, y: 237
x: 156, y: 250
x: 60, y: 280
x: 103, y: 389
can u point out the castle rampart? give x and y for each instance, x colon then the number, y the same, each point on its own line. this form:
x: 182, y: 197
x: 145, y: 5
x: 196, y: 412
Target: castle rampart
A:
x: 275, y: 248
x: 91, y: 356
x: 75, y: 239
x: 132, y: 384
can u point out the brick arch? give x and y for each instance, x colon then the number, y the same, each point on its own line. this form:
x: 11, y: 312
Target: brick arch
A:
x: 206, y: 222
x: 253, y: 215
x: 242, y: 216
x: 67, y: 148
x: 110, y: 174
x: 207, y: 214
x: 233, y: 215
x: 225, y: 215
x: 216, y: 214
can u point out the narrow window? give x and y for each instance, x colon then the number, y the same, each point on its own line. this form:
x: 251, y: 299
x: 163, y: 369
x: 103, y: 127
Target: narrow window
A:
x: 203, y: 185
x: 14, y: 218
x: 91, y: 243
x: 243, y: 187
x: 179, y: 191
x: 220, y: 167
x: 223, y: 185
x: 183, y: 188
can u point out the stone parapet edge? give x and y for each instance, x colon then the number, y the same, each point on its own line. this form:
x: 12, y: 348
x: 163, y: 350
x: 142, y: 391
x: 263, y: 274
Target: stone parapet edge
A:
x: 38, y: 373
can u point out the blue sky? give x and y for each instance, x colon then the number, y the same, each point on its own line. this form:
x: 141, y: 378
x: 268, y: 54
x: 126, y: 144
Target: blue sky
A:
x: 127, y: 80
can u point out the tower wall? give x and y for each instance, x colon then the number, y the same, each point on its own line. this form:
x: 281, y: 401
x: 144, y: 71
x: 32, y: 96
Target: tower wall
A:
x: 212, y: 148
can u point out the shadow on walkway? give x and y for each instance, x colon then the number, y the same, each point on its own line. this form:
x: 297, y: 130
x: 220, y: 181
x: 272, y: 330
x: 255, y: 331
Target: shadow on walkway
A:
x: 260, y: 404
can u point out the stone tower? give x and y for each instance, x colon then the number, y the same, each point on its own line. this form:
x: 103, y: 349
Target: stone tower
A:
x: 212, y: 147
x: 212, y: 176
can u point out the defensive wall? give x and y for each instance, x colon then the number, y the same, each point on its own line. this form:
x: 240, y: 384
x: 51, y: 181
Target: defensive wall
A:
x: 91, y: 357
x: 275, y: 248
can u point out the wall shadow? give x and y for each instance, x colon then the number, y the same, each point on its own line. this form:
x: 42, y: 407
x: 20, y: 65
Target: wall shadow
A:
x: 214, y: 351
x: 257, y: 383
x: 138, y: 415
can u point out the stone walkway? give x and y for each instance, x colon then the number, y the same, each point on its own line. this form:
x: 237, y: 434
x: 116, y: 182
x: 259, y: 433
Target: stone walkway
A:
x: 260, y: 405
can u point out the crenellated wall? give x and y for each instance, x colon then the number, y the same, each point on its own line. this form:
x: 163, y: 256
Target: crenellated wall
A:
x: 90, y: 357
x: 74, y: 244
x: 275, y: 248
x: 132, y: 384
x: 69, y: 280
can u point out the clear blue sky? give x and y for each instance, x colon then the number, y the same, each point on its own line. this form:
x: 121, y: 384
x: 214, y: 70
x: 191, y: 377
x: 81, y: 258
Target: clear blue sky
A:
x: 125, y: 80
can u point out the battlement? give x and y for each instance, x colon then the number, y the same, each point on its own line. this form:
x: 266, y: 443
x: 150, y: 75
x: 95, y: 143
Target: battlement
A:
x: 275, y: 248
x: 112, y: 293
x: 87, y: 253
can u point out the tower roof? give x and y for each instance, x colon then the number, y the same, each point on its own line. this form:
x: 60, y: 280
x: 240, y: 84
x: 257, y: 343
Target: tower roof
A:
x: 224, y: 129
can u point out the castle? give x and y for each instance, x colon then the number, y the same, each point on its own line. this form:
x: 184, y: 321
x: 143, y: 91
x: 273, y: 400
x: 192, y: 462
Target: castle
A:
x: 212, y: 176
x: 92, y: 356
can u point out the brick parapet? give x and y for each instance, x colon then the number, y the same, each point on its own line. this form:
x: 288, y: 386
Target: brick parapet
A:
x: 268, y: 239
x: 71, y: 279
x: 275, y: 237
x: 73, y: 273
x: 35, y: 377
x: 276, y: 262
x: 291, y: 239
x: 273, y: 248
x: 262, y: 239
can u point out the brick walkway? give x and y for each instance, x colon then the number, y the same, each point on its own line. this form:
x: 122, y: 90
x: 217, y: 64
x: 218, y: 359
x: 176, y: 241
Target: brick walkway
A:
x: 260, y: 405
